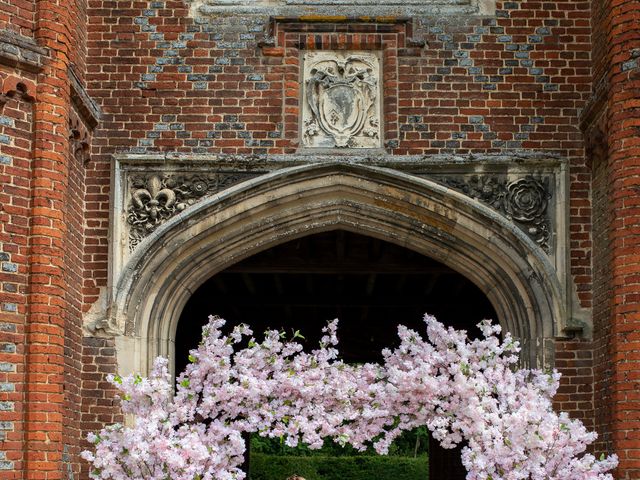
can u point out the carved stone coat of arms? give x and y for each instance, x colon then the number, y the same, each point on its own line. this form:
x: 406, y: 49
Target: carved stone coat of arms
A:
x: 341, y: 100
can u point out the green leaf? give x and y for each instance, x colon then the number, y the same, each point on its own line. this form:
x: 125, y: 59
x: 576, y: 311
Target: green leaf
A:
x: 192, y: 359
x: 185, y: 383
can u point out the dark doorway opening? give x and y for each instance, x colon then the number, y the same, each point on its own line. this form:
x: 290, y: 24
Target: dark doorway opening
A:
x: 371, y: 285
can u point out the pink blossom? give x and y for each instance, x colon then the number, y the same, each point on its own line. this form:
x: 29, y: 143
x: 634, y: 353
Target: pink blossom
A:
x: 466, y: 392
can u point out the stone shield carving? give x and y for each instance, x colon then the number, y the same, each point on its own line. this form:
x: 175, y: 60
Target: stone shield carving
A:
x: 341, y: 105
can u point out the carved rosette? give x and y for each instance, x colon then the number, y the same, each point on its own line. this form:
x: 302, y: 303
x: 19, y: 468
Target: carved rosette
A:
x: 341, y: 100
x: 525, y: 201
x: 155, y: 198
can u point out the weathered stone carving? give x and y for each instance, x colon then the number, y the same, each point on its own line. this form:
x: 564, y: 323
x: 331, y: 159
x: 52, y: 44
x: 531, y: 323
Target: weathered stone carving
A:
x: 376, y: 2
x: 155, y: 198
x: 341, y: 106
x: 79, y: 138
x: 152, y: 203
x: 524, y: 201
x: 295, y: 8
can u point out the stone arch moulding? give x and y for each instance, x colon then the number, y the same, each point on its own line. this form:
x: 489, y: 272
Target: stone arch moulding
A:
x: 169, y: 265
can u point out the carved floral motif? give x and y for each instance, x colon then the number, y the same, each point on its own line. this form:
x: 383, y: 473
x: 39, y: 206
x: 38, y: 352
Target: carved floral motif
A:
x: 155, y: 198
x: 340, y: 108
x: 525, y: 201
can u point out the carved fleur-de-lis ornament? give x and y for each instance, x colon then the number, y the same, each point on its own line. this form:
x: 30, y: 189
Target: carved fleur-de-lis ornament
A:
x: 153, y: 200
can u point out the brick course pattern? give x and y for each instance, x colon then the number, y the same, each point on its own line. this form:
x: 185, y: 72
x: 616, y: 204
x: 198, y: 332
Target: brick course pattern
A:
x: 16, y: 144
x: 40, y: 241
x: 516, y: 81
x: 18, y: 16
x: 232, y: 85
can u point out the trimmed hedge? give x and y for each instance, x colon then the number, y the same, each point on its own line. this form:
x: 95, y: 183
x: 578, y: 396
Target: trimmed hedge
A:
x: 276, y: 467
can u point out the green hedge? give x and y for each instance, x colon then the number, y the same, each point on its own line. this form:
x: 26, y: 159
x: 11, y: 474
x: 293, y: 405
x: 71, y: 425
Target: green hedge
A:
x: 408, y: 444
x: 276, y: 467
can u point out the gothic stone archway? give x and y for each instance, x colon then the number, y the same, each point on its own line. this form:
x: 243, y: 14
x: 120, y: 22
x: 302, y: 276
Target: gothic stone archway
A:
x: 435, y: 221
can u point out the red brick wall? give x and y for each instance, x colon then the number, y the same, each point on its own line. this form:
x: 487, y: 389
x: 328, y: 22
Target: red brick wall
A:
x: 18, y: 15
x: 623, y: 126
x: 599, y: 40
x: 574, y: 359
x: 517, y: 81
x: 602, y: 300
x: 595, y: 132
x: 167, y: 83
x: 522, y: 77
x: 74, y: 218
x: 78, y: 26
x: 99, y: 406
x: 54, y: 251
x: 15, y: 166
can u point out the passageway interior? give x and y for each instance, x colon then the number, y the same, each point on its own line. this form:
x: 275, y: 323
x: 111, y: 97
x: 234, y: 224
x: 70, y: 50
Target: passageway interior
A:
x: 371, y: 285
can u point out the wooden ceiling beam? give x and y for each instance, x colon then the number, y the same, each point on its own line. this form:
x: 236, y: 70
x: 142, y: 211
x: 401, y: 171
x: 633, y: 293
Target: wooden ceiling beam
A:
x: 346, y: 268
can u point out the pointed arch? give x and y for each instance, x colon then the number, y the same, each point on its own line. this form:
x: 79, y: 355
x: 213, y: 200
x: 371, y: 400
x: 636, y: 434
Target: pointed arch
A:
x: 421, y: 215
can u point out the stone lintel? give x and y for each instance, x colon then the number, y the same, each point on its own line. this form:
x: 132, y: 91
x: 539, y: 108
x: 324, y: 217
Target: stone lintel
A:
x: 512, y: 161
x: 347, y: 8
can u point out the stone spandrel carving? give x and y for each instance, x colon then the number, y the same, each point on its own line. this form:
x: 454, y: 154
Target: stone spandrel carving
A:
x: 525, y: 201
x: 341, y: 100
x: 157, y: 197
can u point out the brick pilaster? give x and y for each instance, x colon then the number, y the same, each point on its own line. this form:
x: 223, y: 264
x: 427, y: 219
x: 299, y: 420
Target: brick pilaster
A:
x: 46, y: 315
x: 624, y: 165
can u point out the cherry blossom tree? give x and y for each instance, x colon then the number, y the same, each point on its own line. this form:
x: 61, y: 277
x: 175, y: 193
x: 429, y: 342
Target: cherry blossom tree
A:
x: 465, y: 391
